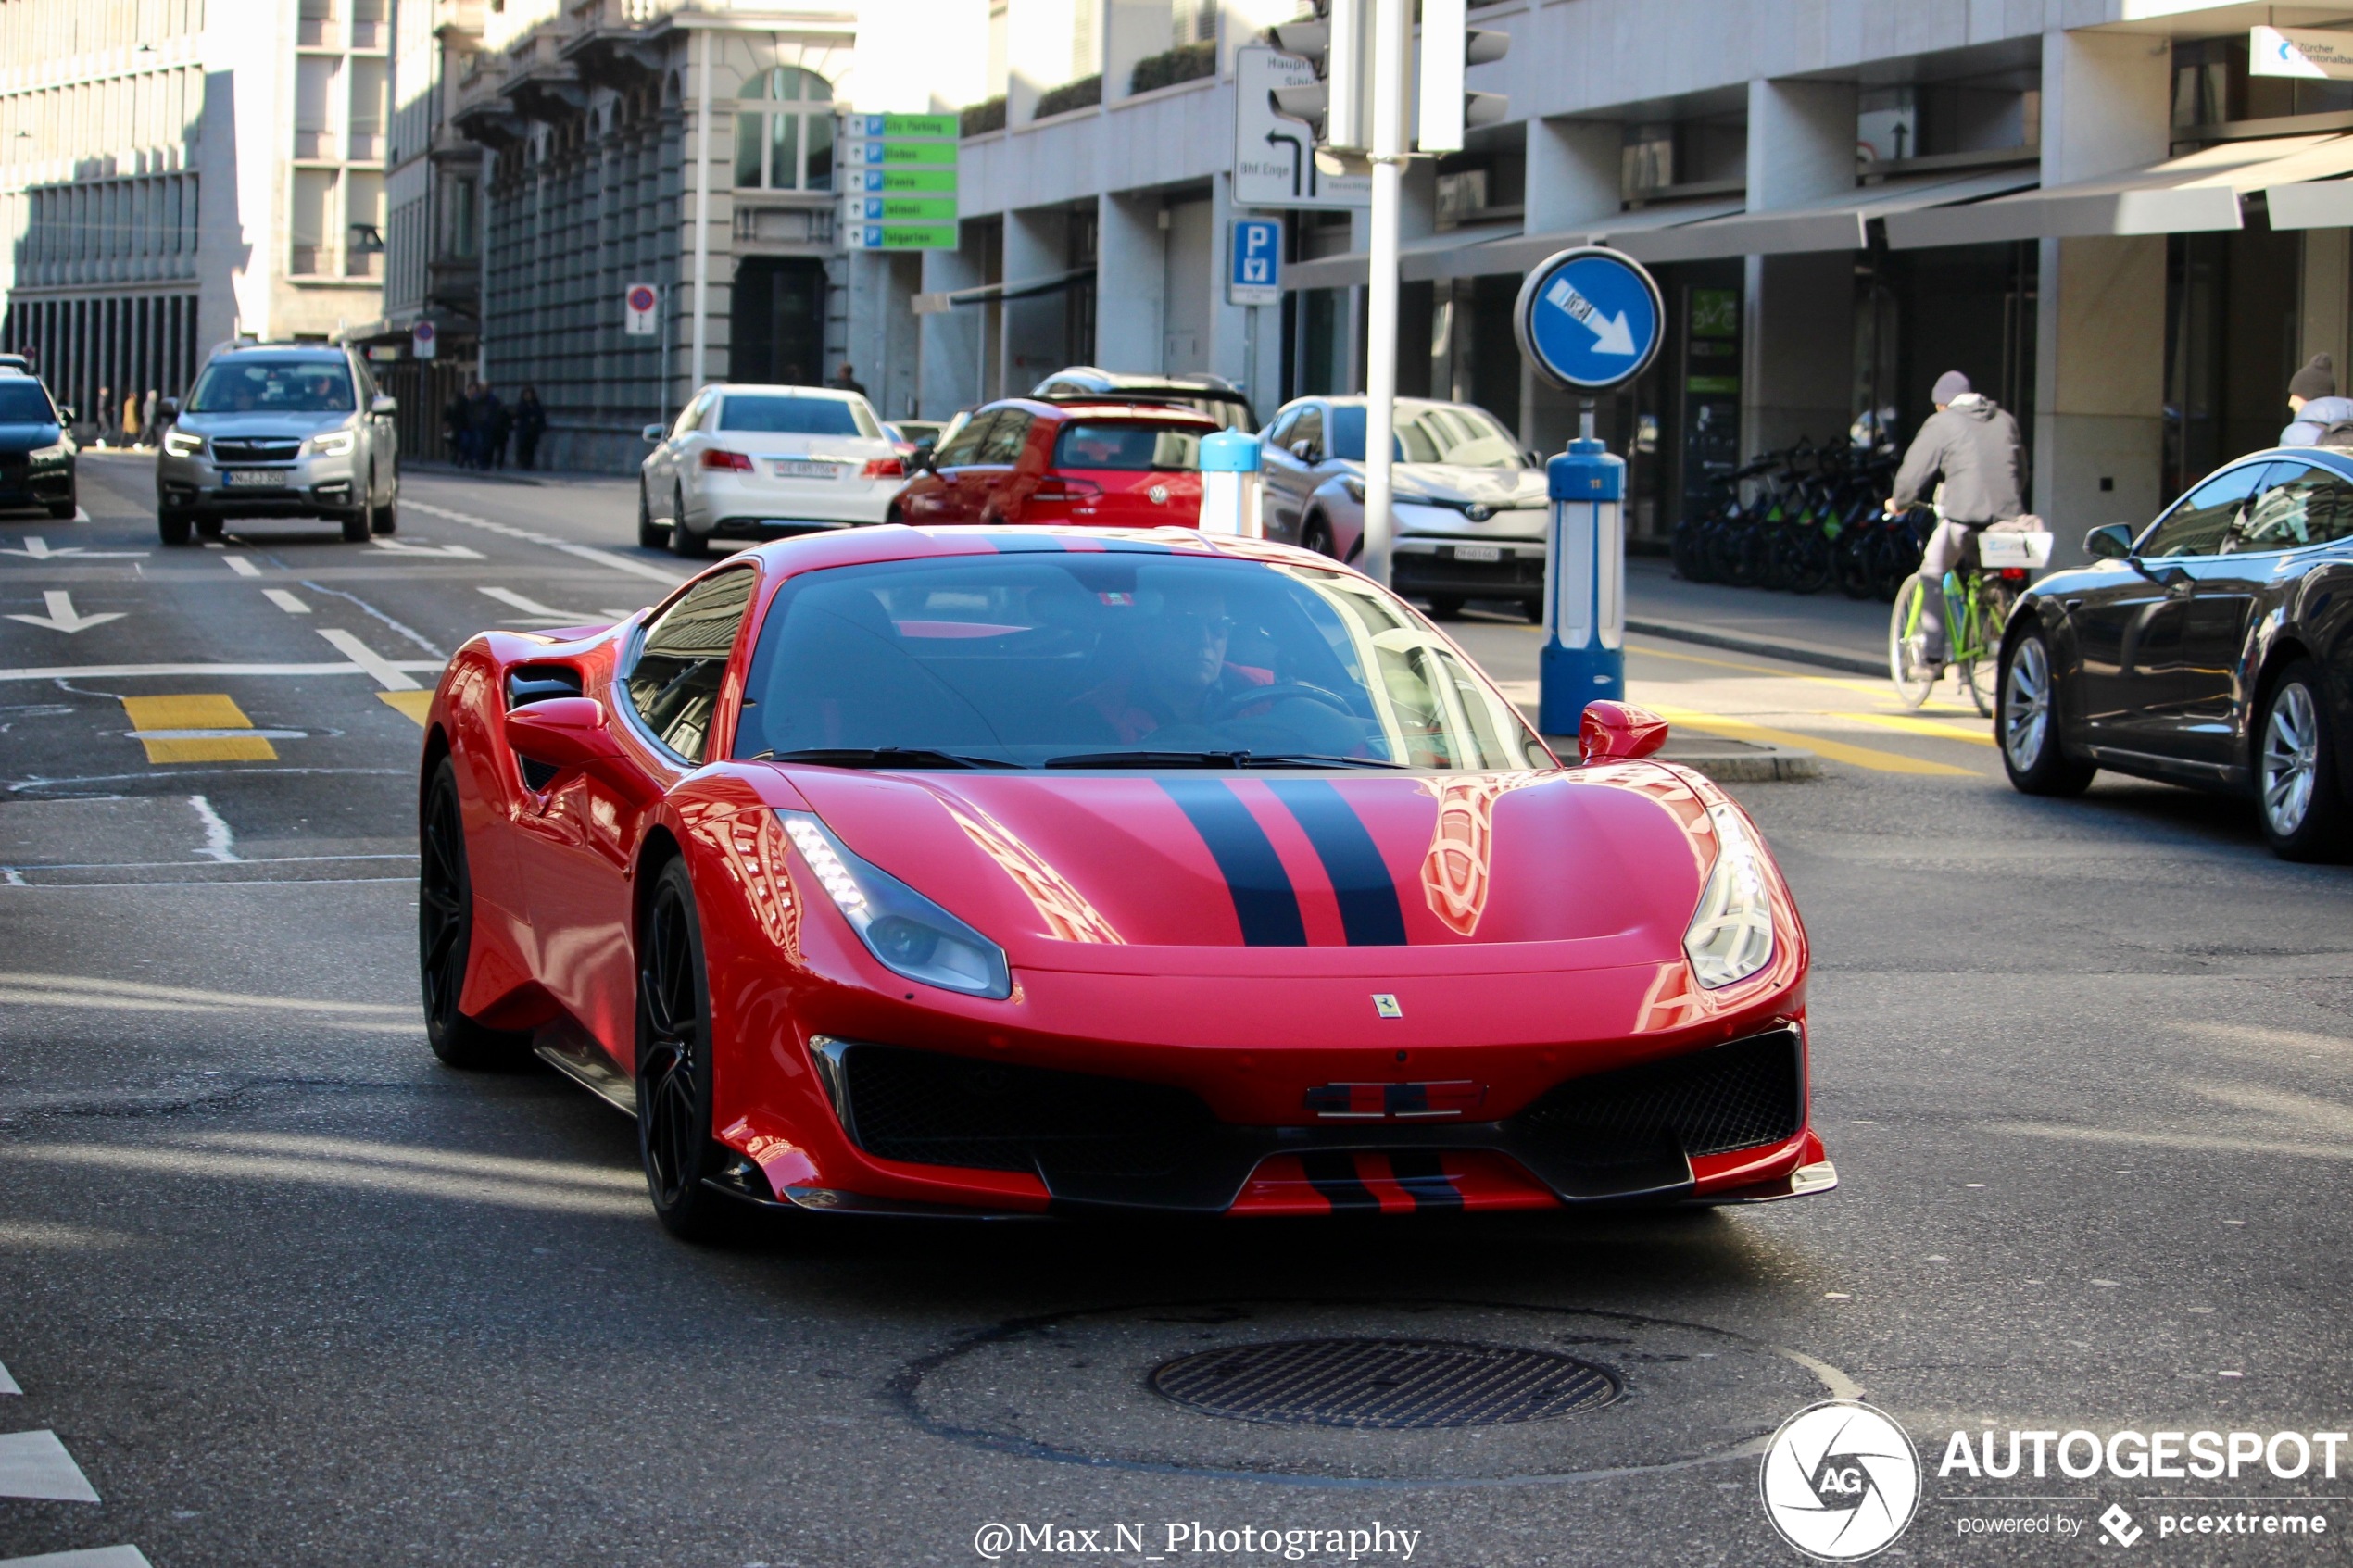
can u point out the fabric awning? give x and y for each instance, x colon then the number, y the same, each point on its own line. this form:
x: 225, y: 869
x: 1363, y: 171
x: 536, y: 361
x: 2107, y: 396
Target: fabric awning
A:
x: 1414, y: 258
x: 1517, y: 252
x: 2195, y: 193
x: 986, y: 294
x: 2318, y: 204
x: 1841, y: 223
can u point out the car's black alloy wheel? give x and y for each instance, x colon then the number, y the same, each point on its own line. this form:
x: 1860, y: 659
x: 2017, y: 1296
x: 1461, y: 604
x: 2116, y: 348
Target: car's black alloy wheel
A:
x: 445, y: 934
x: 682, y: 540
x: 173, y: 528
x: 674, y: 1065
x: 1317, y: 536
x: 2026, y: 725
x: 649, y: 536
x: 2296, y: 781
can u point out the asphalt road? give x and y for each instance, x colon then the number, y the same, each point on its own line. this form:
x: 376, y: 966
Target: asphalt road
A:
x: 284, y: 1291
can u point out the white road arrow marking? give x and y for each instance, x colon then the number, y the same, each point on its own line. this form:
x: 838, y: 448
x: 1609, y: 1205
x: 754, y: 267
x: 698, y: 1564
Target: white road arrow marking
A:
x: 8, y: 1384
x: 38, y: 548
x: 90, y: 1557
x: 403, y: 548
x: 62, y: 617
x: 536, y: 610
x: 1611, y: 334
x: 35, y: 1464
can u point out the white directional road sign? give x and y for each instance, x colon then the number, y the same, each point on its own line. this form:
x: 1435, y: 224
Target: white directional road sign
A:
x: 1274, y: 155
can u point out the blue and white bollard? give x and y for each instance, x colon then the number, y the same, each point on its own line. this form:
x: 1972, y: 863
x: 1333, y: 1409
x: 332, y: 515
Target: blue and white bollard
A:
x: 1229, y: 485
x: 1584, y: 655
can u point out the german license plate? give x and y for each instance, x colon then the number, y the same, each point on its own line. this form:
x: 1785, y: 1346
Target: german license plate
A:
x: 793, y: 467
x: 256, y: 479
x: 1478, y: 552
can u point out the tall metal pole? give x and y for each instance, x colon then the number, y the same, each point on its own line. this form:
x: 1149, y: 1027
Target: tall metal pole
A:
x: 1390, y: 27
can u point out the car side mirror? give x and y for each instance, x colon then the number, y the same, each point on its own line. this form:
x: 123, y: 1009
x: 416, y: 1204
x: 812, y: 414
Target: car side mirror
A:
x: 384, y: 404
x: 168, y: 407
x: 1303, y: 449
x: 2111, y: 543
x: 1618, y: 732
x: 563, y: 733
x: 651, y: 434
x: 66, y: 413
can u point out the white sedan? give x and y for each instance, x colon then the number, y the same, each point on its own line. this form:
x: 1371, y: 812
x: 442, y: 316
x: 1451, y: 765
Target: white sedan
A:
x: 763, y: 462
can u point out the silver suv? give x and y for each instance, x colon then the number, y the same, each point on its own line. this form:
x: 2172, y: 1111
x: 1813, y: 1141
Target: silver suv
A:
x: 279, y: 430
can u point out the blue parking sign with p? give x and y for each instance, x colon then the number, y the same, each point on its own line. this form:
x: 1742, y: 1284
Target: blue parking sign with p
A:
x: 1254, y: 273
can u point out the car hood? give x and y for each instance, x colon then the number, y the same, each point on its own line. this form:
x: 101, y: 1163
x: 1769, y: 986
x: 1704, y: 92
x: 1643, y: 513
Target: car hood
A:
x: 278, y: 423
x: 1448, y: 481
x: 25, y: 437
x: 1293, y: 873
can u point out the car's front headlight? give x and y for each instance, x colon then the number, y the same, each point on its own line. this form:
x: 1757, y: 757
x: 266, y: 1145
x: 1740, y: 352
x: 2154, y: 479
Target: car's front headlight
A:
x: 178, y: 442
x: 52, y: 453
x: 907, y: 932
x: 334, y: 443
x: 1731, y: 932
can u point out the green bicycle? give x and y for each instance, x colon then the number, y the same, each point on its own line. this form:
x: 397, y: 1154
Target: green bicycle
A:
x: 1977, y: 607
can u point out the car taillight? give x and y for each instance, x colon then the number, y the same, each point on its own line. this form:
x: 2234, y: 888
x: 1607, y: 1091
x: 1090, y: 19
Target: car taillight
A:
x: 1065, y: 490
x: 734, y: 463
x: 884, y: 468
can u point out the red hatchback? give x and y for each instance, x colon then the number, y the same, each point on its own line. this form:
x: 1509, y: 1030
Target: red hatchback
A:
x: 1105, y: 464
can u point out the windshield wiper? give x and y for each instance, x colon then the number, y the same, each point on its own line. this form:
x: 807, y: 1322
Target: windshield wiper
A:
x: 879, y: 757
x: 1212, y: 760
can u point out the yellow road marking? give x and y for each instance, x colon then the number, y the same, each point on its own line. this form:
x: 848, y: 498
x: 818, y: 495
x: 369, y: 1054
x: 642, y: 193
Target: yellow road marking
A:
x: 416, y: 705
x: 1837, y: 751
x: 1876, y: 688
x: 1912, y: 726
x: 210, y: 711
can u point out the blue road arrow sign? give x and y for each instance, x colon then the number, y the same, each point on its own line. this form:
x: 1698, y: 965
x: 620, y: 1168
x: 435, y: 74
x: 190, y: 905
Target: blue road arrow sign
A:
x: 1254, y: 267
x: 1590, y: 319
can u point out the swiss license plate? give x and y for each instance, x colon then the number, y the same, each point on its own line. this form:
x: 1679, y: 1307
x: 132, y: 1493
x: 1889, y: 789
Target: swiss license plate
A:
x: 793, y: 467
x: 256, y: 479
x: 1478, y: 552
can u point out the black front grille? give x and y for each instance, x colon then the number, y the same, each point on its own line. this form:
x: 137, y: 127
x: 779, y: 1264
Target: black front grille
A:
x: 253, y: 449
x: 932, y: 1109
x: 1740, y: 1095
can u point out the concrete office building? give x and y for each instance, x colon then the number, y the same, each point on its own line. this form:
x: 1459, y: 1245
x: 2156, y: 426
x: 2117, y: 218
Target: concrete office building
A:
x: 177, y: 172
x: 2093, y: 207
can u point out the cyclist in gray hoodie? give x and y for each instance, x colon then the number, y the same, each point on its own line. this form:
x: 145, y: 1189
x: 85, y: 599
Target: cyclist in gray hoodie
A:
x: 1974, y: 446
x: 2312, y: 397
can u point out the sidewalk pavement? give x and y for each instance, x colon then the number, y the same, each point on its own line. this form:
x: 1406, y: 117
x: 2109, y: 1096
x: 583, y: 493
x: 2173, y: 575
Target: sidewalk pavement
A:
x: 1827, y: 630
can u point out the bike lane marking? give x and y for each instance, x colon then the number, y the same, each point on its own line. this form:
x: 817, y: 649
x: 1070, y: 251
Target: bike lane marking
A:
x: 1835, y: 751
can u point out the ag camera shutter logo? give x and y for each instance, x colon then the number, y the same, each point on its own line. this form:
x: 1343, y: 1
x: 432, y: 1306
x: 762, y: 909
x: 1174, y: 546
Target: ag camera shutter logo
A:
x: 1840, y: 1481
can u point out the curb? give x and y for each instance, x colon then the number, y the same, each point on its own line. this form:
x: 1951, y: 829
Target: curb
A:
x: 1768, y: 648
x: 1747, y: 764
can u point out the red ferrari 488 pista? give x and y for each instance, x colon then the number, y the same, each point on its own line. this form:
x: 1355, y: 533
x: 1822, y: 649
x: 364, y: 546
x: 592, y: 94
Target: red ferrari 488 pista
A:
x: 1029, y: 871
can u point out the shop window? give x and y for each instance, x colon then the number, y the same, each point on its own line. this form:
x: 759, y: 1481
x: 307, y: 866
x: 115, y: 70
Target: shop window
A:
x: 2213, y: 86
x: 785, y: 132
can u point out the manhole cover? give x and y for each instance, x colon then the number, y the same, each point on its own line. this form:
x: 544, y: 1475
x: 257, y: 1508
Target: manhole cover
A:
x: 1384, y: 1385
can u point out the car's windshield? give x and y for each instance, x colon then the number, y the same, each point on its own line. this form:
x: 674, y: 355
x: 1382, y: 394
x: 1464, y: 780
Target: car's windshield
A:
x: 1431, y: 432
x: 273, y: 386
x: 23, y: 403
x: 773, y: 415
x: 1098, y: 443
x: 1034, y: 659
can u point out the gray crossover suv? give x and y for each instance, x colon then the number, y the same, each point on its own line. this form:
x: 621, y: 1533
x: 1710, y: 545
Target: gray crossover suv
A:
x: 279, y: 430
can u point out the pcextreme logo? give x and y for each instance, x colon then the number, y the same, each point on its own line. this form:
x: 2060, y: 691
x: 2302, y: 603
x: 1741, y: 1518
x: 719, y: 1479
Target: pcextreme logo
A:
x: 1840, y: 1481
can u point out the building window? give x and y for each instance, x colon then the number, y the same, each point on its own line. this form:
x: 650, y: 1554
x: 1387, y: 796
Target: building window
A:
x: 314, y: 198
x: 785, y: 132
x: 462, y: 241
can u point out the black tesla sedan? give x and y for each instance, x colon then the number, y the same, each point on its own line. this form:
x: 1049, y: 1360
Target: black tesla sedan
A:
x: 36, y: 449
x: 2213, y: 648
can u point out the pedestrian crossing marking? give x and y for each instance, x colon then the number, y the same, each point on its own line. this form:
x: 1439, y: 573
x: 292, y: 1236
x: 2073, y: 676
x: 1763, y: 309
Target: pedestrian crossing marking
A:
x: 35, y: 1464
x: 89, y: 1557
x: 210, y: 710
x: 416, y: 705
x: 1836, y: 751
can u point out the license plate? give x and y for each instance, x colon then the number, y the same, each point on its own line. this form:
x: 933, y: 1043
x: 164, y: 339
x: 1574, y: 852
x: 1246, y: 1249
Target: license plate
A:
x: 1478, y: 552
x: 791, y: 468
x: 256, y: 479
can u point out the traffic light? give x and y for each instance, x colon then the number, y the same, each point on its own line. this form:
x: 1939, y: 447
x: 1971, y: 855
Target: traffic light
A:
x: 1336, y: 38
x: 1450, y: 46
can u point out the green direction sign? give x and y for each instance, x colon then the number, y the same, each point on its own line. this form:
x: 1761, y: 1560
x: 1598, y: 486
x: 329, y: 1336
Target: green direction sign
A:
x: 902, y: 127
x: 904, y: 209
x: 905, y: 181
x: 903, y: 236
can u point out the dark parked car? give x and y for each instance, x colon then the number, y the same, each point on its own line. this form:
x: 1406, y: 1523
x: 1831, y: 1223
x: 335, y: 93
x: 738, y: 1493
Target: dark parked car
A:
x: 36, y: 448
x: 1105, y: 465
x: 2213, y: 648
x: 1197, y: 390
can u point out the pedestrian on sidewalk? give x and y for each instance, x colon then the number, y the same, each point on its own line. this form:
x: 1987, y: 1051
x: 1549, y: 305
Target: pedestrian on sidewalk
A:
x: 2312, y: 397
x: 1971, y: 450
x: 129, y: 420
x: 453, y: 427
x: 846, y: 380
x: 104, y: 423
x: 147, y: 418
x: 531, y: 422
x: 502, y: 425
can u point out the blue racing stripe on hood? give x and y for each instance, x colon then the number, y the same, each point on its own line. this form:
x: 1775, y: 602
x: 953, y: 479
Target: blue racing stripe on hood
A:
x: 1265, y: 901
x: 1369, y: 908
